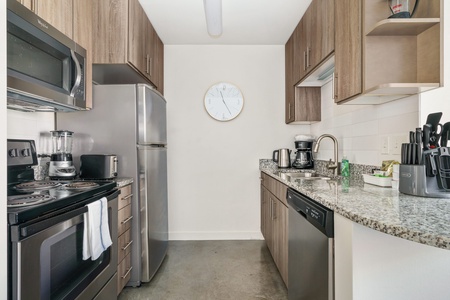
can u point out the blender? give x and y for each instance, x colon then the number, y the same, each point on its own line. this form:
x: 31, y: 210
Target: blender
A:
x: 61, y: 162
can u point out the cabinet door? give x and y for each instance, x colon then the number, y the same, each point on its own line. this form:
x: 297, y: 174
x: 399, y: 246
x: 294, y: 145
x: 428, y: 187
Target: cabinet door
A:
x: 58, y: 13
x: 348, y: 49
x: 289, y: 80
x: 136, y: 36
x: 82, y: 34
x: 158, y: 66
x: 110, y: 24
x: 281, y: 229
x: 150, y: 51
x: 307, y: 104
x: 266, y: 217
x: 321, y: 32
x: 27, y: 3
x: 300, y: 50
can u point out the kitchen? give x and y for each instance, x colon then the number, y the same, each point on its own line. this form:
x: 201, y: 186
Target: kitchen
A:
x: 197, y: 142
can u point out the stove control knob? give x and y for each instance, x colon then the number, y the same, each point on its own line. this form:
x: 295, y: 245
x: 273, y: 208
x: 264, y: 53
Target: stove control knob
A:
x: 13, y: 153
x: 25, y: 152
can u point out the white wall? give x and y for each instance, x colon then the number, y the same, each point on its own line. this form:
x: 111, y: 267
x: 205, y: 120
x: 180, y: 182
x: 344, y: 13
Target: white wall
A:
x: 3, y: 220
x: 439, y: 99
x: 213, y: 166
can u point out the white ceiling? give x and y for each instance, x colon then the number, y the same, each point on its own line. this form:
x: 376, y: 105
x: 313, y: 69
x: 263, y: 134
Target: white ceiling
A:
x: 245, y: 22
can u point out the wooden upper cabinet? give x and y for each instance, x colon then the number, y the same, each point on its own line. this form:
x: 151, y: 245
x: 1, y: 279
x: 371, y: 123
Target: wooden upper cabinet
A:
x: 137, y: 46
x: 289, y: 80
x: 125, y: 44
x: 314, y: 38
x: 58, y: 13
x: 348, y: 50
x: 159, y: 64
x: 82, y: 35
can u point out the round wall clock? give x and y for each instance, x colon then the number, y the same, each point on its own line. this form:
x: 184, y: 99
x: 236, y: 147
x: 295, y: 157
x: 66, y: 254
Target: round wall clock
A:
x: 224, y: 101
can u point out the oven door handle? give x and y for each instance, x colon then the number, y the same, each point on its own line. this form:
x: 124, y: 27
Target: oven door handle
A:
x: 28, y: 230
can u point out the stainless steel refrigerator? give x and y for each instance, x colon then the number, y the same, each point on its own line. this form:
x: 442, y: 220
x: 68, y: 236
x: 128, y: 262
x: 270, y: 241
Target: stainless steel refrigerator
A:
x: 130, y: 121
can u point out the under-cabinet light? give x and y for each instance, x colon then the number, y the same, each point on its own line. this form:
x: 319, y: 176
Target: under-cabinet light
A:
x: 327, y: 73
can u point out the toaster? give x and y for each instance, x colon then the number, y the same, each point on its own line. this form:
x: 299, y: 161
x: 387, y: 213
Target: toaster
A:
x: 98, y: 166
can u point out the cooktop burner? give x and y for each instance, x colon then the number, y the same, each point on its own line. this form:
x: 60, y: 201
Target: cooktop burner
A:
x: 37, y: 185
x: 27, y: 200
x: 80, y: 185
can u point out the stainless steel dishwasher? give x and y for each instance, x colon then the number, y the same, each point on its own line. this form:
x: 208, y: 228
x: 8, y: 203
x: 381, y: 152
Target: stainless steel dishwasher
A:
x: 311, y: 249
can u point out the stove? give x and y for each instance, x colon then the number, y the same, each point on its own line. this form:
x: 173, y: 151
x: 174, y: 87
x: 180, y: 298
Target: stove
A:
x: 47, y: 232
x: 29, y: 199
x: 34, y: 199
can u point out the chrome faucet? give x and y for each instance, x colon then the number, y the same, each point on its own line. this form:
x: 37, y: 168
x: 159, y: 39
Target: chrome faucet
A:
x: 333, y: 165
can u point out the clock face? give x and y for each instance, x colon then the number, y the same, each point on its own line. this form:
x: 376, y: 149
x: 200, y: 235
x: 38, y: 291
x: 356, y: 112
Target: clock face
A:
x: 224, y: 101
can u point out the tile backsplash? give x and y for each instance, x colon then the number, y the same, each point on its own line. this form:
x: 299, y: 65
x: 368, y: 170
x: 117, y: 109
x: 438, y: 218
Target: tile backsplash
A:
x: 31, y: 126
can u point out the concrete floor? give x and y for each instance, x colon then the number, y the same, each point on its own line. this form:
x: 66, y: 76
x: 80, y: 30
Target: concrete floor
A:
x: 213, y: 270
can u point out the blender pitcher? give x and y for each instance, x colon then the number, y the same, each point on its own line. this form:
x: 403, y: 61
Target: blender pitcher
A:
x: 401, y: 8
x: 61, y: 162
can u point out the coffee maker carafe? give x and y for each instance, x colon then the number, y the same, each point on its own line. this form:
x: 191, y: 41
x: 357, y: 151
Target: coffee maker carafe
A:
x: 61, y: 162
x: 304, y: 156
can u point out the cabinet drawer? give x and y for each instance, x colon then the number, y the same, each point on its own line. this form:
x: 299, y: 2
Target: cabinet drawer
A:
x: 124, y: 220
x: 125, y: 196
x: 277, y: 188
x: 124, y: 245
x: 123, y: 273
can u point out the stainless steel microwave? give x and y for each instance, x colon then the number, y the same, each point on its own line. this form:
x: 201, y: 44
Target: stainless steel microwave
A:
x: 46, y: 69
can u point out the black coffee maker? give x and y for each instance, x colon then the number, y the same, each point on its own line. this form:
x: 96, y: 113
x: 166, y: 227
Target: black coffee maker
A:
x: 304, y: 156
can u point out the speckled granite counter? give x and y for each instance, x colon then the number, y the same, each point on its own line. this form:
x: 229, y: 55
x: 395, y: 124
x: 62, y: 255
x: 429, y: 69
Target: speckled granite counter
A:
x: 123, y: 181
x: 422, y: 220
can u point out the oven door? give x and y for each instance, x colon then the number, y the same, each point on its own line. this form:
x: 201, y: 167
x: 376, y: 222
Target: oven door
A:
x: 48, y: 263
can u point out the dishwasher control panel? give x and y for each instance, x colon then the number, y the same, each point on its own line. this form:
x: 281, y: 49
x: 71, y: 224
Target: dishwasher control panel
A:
x: 315, y: 214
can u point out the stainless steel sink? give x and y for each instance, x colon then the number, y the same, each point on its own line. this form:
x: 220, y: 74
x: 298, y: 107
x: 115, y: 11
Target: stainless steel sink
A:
x: 302, y: 175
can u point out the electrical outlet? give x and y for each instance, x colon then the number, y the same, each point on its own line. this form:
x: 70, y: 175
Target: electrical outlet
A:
x: 395, y: 143
x: 385, y: 145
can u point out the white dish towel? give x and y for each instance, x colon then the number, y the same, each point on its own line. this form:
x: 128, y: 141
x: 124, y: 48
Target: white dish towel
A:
x: 96, y: 237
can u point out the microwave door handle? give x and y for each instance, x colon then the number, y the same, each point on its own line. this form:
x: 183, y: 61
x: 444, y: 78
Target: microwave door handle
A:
x: 78, y: 73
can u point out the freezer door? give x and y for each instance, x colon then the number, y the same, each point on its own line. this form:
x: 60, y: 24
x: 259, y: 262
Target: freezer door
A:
x: 151, y: 112
x: 153, y: 208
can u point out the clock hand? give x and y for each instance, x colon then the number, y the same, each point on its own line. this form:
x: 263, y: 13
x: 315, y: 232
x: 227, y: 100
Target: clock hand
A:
x: 223, y: 100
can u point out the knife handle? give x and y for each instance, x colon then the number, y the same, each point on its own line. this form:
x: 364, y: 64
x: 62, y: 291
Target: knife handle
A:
x: 426, y: 136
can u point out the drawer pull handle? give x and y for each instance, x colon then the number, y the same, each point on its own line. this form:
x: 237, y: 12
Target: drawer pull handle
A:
x: 127, y: 245
x: 127, y: 197
x: 128, y: 272
x: 126, y: 220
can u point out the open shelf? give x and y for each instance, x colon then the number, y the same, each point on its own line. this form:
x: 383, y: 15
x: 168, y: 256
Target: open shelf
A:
x: 398, y: 27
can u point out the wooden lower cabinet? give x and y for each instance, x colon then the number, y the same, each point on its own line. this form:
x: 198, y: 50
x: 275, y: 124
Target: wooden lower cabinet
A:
x: 274, y: 222
x: 124, y: 240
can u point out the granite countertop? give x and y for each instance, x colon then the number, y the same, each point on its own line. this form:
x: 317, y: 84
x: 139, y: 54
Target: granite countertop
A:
x: 123, y: 181
x: 418, y: 219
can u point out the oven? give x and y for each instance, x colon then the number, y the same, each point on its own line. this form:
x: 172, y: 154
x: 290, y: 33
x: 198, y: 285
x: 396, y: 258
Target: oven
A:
x: 46, y: 231
x: 47, y: 260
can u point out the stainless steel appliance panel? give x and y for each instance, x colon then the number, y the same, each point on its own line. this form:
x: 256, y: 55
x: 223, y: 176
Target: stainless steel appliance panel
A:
x: 118, y: 105
x: 151, y: 112
x: 47, y: 255
x: 310, y: 252
x: 154, y: 226
x: 46, y: 69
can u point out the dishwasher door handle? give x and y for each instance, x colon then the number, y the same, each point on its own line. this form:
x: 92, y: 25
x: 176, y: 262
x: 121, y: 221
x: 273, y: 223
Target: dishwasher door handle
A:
x: 302, y: 214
